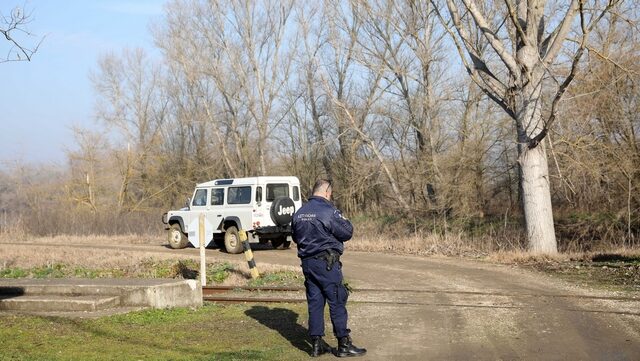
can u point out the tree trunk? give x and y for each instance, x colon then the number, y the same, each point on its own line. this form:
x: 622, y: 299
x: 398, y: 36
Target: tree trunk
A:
x: 536, y: 191
x: 537, y: 200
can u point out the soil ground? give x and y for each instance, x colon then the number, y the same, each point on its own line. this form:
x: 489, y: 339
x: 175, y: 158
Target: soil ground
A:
x: 454, y: 309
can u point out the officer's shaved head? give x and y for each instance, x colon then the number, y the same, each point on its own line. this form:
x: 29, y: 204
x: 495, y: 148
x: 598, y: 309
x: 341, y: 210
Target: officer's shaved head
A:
x: 322, y: 188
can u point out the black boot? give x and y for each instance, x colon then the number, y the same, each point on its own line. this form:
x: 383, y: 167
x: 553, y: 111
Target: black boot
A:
x: 318, y: 346
x: 347, y: 349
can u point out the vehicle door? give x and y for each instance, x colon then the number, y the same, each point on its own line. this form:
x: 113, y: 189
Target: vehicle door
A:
x: 215, y: 210
x: 239, y: 204
x: 198, y: 204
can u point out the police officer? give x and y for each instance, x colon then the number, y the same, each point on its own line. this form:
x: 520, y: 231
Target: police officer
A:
x: 319, y: 230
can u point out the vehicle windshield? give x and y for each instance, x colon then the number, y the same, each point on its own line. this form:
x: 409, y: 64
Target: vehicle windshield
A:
x: 200, y: 198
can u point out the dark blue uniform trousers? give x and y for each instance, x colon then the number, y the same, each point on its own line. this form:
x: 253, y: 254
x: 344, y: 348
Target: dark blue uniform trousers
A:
x: 325, y: 287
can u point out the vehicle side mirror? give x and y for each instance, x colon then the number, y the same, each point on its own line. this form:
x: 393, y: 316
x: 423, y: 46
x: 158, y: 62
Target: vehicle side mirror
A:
x: 188, y: 202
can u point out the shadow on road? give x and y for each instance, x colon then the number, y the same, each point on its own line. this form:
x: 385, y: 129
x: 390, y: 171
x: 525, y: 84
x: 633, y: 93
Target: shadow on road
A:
x: 285, y: 322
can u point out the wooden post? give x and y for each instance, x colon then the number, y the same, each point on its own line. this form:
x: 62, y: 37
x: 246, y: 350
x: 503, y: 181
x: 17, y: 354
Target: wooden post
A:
x: 248, y: 254
x: 203, y: 264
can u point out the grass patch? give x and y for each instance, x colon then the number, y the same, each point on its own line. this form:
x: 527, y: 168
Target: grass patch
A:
x: 213, y: 332
x: 217, y: 272
x: 146, y: 269
x: 279, y: 278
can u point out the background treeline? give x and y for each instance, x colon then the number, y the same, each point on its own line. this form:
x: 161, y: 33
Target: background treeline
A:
x: 370, y: 94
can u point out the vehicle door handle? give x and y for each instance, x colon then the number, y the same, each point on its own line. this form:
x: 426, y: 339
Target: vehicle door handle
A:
x: 219, y: 215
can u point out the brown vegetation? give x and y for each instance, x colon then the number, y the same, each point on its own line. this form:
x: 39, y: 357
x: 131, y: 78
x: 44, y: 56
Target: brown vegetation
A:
x: 617, y: 269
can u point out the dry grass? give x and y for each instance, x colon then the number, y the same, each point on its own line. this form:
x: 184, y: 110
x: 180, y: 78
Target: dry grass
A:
x: 449, y: 244
x: 128, y: 260
x: 618, y: 269
x: 522, y: 257
x: 131, y: 239
x: 18, y: 251
x: 20, y: 256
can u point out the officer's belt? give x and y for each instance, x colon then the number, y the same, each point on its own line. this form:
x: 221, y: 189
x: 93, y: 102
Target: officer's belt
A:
x: 330, y: 256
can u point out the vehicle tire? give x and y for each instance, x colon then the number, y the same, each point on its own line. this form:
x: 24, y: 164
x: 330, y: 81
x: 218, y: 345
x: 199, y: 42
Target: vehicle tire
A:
x: 282, y: 210
x: 177, y: 238
x: 281, y: 243
x: 232, y: 241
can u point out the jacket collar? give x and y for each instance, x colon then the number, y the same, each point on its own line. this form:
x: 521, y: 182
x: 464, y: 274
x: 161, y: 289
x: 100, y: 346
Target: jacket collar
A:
x: 321, y: 199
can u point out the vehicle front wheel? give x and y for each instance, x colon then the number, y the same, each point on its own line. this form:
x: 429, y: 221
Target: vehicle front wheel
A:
x: 177, y: 239
x: 232, y: 240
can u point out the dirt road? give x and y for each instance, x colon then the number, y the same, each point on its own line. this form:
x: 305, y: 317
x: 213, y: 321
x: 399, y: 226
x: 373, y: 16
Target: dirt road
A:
x: 451, y: 309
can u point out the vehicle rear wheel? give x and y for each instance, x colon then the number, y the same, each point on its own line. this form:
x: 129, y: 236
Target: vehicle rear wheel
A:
x: 177, y: 239
x: 232, y: 241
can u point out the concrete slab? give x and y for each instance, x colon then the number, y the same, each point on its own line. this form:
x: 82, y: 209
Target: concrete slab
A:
x: 59, y: 303
x: 154, y: 293
x: 74, y: 314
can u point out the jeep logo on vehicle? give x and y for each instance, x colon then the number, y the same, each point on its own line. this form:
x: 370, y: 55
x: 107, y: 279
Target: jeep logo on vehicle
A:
x: 286, y: 210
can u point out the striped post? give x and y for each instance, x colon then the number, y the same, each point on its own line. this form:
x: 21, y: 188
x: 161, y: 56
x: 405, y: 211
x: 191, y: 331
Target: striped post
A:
x: 248, y: 254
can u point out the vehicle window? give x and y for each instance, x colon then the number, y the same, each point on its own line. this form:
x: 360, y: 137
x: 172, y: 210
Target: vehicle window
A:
x: 217, y: 196
x: 200, y: 199
x: 277, y: 190
x: 258, y: 194
x: 296, y: 193
x: 239, y: 195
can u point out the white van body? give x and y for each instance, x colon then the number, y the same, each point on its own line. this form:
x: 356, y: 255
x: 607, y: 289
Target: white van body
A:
x: 236, y: 204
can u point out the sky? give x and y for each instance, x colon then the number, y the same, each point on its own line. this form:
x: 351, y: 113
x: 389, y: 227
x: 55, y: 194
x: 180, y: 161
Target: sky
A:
x: 41, y: 100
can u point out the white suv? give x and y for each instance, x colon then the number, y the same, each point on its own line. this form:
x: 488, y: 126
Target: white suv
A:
x: 262, y: 206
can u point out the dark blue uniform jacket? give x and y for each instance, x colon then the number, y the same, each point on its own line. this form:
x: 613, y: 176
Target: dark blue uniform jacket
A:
x: 318, y: 226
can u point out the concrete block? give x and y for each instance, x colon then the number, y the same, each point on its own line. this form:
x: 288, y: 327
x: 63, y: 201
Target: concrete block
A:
x: 51, y: 303
x: 185, y: 293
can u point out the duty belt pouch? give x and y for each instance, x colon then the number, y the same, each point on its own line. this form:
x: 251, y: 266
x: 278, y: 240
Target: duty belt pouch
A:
x: 331, y: 257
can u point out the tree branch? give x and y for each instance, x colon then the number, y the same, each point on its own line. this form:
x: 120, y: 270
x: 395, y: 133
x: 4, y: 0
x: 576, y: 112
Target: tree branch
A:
x: 516, y: 23
x: 16, y: 24
x: 489, y: 84
x: 552, y: 44
x: 495, y: 43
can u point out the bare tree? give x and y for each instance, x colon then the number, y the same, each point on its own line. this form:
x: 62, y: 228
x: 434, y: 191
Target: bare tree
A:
x: 401, y: 38
x: 14, y: 29
x: 132, y: 105
x: 525, y: 40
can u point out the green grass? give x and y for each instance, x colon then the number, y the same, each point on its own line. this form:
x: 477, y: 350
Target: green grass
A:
x: 65, y: 271
x: 279, y: 278
x: 213, y: 332
x: 218, y: 272
x: 145, y: 269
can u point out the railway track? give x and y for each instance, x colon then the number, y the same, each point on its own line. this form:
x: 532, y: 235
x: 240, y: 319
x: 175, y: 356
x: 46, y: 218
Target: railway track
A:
x: 275, y: 294
x: 261, y: 294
